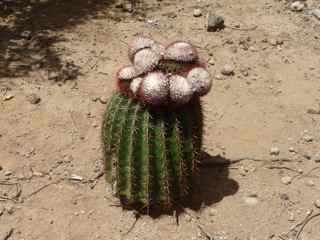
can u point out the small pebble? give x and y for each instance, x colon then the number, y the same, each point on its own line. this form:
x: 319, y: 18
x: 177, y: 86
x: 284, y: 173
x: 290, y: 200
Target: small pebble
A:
x: 33, y: 98
x: 274, y: 151
x: 310, y: 183
x: 316, y: 157
x: 317, y: 203
x: 52, y: 75
x: 213, y: 212
x: 284, y: 196
x: 292, y: 150
x: 211, y: 61
x: 214, y: 23
x: 291, y: 217
x: 10, y: 210
x: 227, y: 70
x: 103, y: 100
x: 75, y: 177
x: 197, y: 12
x: 8, y: 97
x: 7, y: 173
x: 308, y: 138
x: 297, y: 6
x: 314, y: 111
x: 251, y: 200
x: 286, y: 180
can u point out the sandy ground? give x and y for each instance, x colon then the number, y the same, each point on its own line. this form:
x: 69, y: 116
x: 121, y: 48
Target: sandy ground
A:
x: 272, y: 101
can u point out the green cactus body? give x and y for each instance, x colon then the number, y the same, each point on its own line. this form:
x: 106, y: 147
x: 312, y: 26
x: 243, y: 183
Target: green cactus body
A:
x: 151, y: 154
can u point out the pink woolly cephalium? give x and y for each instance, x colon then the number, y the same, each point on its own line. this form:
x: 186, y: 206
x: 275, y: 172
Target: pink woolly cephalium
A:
x: 163, y: 75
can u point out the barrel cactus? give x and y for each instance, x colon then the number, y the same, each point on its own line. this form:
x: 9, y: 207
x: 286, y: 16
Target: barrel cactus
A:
x: 152, y: 128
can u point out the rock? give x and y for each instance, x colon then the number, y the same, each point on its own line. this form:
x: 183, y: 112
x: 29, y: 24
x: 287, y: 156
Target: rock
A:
x: 274, y: 151
x: 103, y: 100
x: 227, y: 70
x: 286, y: 180
x: 275, y: 42
x: 313, y: 111
x: 8, y: 97
x: 214, y: 23
x: 308, y: 138
x: 316, y: 13
x: 316, y: 157
x: 292, y: 150
x: 297, y: 6
x: 307, y: 155
x: 75, y: 177
x: 284, y: 196
x: 291, y: 217
x: 53, y: 75
x: 211, y: 61
x: 244, y: 72
x: 33, y: 98
x: 7, y: 173
x: 197, y: 12
x: 251, y: 200
x: 310, y: 183
x: 10, y: 209
x: 213, y: 212
x: 26, y: 34
x: 317, y: 203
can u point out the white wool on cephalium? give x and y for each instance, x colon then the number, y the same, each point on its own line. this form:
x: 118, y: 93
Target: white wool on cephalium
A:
x: 139, y: 43
x: 146, y: 60
x: 180, y: 89
x: 135, y: 85
x: 127, y: 73
x: 154, y: 89
x: 181, y: 51
x: 200, y: 80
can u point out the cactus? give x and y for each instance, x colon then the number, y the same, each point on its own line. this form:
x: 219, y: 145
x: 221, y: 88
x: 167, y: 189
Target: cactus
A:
x: 152, y: 128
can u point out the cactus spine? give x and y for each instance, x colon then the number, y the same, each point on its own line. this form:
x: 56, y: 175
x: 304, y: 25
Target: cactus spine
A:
x: 151, y: 155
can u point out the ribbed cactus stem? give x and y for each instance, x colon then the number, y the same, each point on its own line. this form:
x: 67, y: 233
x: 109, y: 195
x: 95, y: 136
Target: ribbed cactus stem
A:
x: 151, y: 155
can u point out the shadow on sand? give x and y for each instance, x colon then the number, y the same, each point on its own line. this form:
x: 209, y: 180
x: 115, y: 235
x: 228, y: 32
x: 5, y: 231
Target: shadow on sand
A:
x: 29, y: 31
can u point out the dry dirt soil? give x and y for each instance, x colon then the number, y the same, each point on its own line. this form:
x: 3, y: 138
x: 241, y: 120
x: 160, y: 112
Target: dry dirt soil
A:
x: 51, y: 185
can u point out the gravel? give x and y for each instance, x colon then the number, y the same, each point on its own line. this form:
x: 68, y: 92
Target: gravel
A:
x: 227, y: 70
x: 274, y: 151
x: 197, y: 12
x: 297, y: 6
x: 286, y: 180
x: 214, y: 23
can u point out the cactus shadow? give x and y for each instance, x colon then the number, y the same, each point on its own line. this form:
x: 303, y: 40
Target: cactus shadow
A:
x: 213, y: 183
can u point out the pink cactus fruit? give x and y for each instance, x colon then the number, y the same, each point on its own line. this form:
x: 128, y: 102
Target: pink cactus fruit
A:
x: 146, y: 60
x: 181, y: 51
x: 180, y: 89
x: 127, y: 73
x: 138, y: 44
x: 154, y: 89
x: 200, y: 80
x: 135, y: 85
